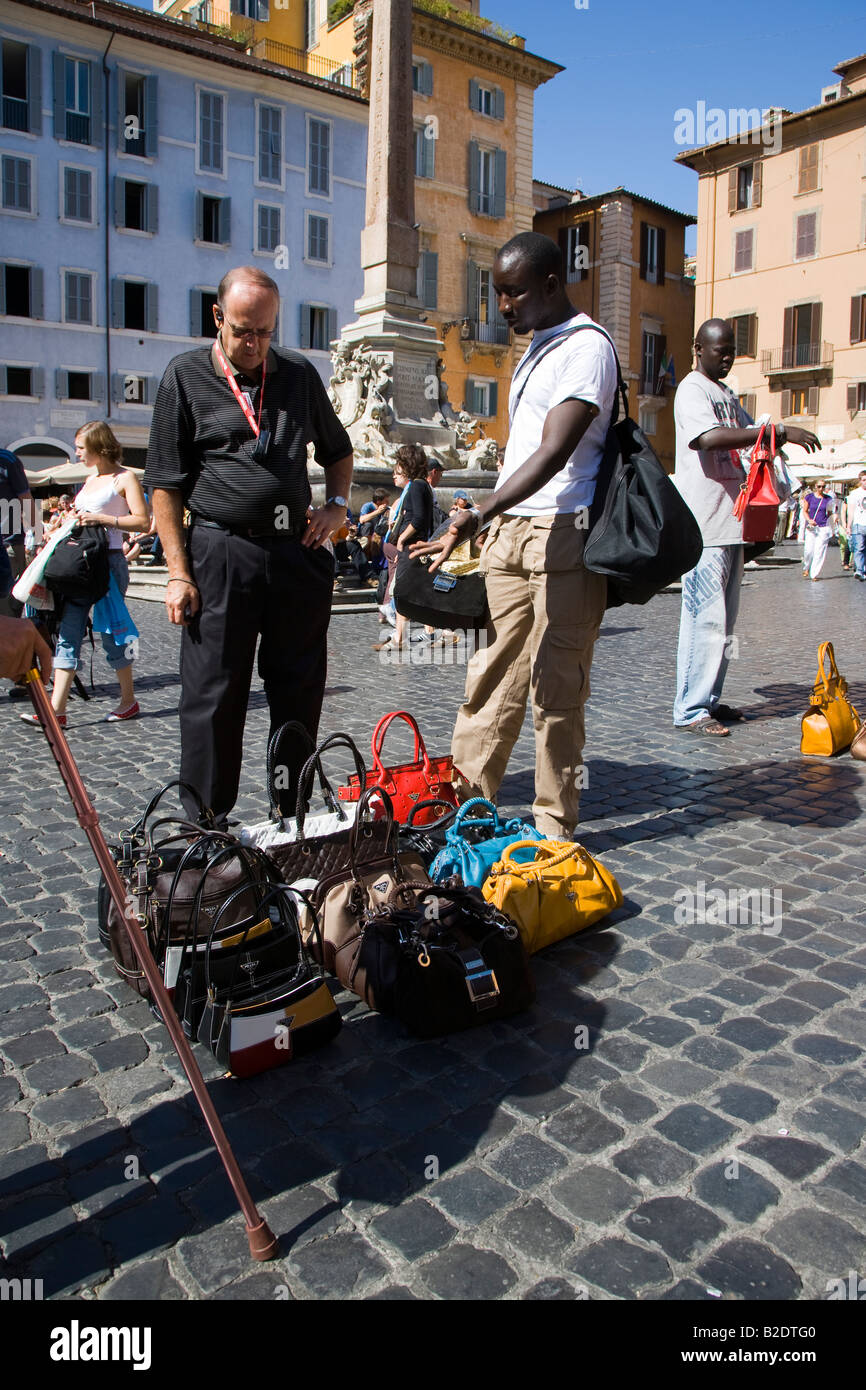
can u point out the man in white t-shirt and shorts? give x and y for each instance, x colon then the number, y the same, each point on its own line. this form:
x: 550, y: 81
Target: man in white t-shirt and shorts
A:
x: 711, y: 428
x: 854, y: 520
x: 545, y: 608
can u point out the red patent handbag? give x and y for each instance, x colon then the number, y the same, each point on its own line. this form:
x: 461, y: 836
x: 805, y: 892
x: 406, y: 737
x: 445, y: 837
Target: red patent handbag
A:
x: 758, y: 503
x: 408, y: 783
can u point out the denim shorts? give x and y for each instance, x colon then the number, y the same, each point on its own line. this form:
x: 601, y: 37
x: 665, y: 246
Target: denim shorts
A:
x: 73, y: 626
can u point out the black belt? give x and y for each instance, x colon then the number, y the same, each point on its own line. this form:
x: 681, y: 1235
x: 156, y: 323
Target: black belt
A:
x: 293, y: 531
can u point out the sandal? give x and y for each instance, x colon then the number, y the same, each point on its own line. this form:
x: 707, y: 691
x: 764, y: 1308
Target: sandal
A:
x: 707, y: 725
x: 389, y: 645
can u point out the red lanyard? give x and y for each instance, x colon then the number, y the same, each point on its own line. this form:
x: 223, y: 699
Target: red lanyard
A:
x: 255, y: 425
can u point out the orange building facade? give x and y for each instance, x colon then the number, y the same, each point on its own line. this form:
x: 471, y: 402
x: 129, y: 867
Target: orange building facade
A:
x: 624, y: 265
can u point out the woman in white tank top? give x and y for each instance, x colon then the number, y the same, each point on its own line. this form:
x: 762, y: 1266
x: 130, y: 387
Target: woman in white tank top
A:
x: 112, y: 498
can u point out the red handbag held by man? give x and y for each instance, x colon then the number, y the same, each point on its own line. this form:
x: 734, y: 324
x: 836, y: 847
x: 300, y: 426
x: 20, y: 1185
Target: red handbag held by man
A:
x: 758, y: 503
x: 423, y: 779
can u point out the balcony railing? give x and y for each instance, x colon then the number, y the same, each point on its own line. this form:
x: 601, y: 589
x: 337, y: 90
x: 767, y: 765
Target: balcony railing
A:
x: 343, y: 74
x: 15, y: 113
x: 796, y: 357
x: 478, y: 332
x: 77, y: 128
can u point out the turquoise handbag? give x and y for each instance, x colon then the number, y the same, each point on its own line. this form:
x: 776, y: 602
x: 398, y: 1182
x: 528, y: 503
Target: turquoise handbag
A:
x: 472, y: 859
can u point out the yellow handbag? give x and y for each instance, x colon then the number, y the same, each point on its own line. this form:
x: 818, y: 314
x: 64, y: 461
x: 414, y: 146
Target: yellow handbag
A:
x: 562, y: 891
x: 831, y: 723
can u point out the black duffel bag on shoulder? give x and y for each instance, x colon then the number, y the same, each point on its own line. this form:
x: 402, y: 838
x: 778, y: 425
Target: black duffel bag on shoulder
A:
x: 642, y: 535
x: 78, y: 569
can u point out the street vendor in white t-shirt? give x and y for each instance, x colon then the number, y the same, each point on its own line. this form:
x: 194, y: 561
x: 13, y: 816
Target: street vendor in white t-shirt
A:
x: 545, y: 607
x: 711, y: 429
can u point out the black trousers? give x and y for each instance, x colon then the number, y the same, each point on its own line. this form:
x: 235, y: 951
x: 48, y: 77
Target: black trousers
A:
x: 272, y: 587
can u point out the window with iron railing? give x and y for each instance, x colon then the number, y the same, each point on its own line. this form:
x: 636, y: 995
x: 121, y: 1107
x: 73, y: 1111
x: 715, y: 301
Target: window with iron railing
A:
x: 20, y: 87
x: 78, y: 101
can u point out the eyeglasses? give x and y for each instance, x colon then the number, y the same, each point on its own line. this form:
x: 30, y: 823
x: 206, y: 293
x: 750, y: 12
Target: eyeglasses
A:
x: 264, y: 333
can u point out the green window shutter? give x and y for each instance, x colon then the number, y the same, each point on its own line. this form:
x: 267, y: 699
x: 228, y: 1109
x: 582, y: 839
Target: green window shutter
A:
x: 429, y: 156
x: 225, y: 221
x: 117, y: 304
x: 151, y: 207
x: 430, y: 283
x: 474, y: 177
x: 304, y: 333
x: 3, y: 380
x: 644, y: 250
x: 121, y: 112
x: 34, y: 90
x: 472, y: 290
x: 37, y: 296
x: 61, y: 384
x: 469, y: 401
x: 332, y: 326
x: 37, y: 381
x: 426, y: 87
x: 119, y: 201
x: 499, y: 103
x: 660, y: 277
x: 96, y: 107
x: 494, y: 398
x: 117, y: 391
x: 199, y: 216
x: 195, y: 313
x: 97, y: 386
x: 149, y: 390
x: 58, y: 62
x: 151, y: 117
x: 499, y: 176
x: 474, y: 94
x: 151, y: 307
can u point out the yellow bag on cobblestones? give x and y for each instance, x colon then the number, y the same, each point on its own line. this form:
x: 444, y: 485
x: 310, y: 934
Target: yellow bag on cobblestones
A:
x: 831, y: 722
x: 562, y: 891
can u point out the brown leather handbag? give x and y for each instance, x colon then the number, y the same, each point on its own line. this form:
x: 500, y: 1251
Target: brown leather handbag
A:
x: 858, y: 746
x: 374, y: 868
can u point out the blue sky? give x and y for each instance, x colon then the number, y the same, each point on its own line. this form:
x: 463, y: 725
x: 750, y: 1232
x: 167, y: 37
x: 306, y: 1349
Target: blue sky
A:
x: 609, y: 118
x: 629, y: 66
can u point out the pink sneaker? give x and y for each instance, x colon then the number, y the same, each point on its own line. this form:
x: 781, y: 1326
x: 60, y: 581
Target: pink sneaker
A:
x: 131, y: 713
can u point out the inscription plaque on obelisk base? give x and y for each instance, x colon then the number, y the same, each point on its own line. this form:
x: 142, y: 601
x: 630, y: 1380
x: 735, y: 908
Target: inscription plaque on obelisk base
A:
x: 389, y: 323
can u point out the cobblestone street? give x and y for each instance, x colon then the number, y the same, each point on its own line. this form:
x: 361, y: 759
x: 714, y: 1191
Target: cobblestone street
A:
x: 706, y: 1143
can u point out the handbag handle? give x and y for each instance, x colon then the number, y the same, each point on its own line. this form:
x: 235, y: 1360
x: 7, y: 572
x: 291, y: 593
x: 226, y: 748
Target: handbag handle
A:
x: 305, y: 780
x: 280, y: 893
x: 426, y: 805
x: 292, y: 726
x: 379, y: 739
x: 541, y: 847
x: 365, y: 802
x: 463, y: 816
x: 151, y: 806
x: 825, y: 652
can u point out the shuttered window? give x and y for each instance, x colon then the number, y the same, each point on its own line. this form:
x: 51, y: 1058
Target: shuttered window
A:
x: 77, y: 297
x: 806, y: 236
x: 809, y: 169
x: 16, y: 188
x: 268, y: 227
x: 270, y: 144
x: 858, y: 318
x: 20, y: 87
x: 210, y: 132
x: 319, y: 158
x: 744, y: 250
x: 745, y: 328
x: 428, y: 279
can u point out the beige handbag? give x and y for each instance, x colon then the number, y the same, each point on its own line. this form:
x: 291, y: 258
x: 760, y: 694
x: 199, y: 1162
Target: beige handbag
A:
x: 858, y: 746
x: 829, y: 726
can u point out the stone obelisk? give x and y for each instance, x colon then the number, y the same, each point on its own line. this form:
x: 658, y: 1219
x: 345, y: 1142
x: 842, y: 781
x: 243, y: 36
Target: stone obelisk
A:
x: 389, y: 322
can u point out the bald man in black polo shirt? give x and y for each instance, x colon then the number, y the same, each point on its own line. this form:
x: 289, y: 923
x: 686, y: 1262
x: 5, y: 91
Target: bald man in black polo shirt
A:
x: 228, y: 441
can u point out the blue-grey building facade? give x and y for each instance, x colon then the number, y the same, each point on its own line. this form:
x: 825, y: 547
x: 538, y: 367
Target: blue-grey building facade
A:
x: 139, y: 160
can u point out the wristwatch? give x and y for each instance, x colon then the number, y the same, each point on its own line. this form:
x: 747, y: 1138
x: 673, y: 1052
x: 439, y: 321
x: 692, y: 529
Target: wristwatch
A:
x: 340, y: 501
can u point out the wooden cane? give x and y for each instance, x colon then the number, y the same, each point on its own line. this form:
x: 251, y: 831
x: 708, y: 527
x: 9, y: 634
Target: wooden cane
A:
x: 263, y: 1243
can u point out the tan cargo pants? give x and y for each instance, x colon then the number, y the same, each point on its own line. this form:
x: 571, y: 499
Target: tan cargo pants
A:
x: 545, y: 612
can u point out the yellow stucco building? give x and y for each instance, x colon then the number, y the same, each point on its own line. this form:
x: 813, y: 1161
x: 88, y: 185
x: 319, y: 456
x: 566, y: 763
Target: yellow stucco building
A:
x: 474, y: 87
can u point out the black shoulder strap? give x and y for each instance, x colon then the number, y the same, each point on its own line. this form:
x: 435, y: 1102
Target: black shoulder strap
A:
x: 622, y: 389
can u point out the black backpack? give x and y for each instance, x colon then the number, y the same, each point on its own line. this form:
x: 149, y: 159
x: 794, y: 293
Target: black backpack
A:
x: 78, y: 569
x: 642, y: 535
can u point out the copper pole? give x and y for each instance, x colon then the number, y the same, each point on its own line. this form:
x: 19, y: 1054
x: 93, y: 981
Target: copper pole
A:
x: 263, y: 1243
